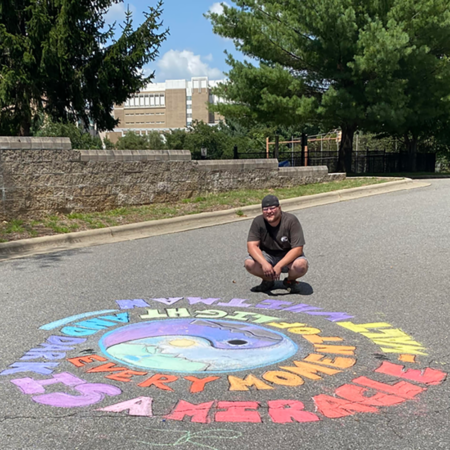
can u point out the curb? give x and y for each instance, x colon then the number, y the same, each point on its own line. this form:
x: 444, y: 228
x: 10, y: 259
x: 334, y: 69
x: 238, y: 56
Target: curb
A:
x: 60, y: 242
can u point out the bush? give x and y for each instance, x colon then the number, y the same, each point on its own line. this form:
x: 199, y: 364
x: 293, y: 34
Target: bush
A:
x: 79, y: 138
x: 134, y: 141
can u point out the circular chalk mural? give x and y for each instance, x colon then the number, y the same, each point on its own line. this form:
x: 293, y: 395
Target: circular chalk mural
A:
x: 128, y: 358
x: 196, y: 345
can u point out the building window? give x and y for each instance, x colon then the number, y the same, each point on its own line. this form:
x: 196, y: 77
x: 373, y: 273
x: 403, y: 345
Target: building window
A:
x: 189, y: 97
x: 154, y: 100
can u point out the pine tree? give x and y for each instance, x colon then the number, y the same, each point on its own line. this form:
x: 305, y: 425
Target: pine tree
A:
x: 350, y: 64
x: 57, y: 57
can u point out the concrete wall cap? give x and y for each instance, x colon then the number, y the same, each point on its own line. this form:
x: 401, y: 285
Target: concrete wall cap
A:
x: 237, y: 164
x: 35, y: 143
x: 135, y: 155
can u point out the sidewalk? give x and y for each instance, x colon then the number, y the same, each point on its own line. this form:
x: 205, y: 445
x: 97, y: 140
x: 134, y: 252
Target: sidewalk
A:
x: 61, y: 242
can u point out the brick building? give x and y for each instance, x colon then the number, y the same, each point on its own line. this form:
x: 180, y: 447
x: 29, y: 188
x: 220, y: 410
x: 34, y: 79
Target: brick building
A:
x: 164, y: 106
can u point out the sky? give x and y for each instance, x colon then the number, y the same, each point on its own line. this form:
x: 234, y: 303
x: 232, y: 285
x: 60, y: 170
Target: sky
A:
x: 191, y: 49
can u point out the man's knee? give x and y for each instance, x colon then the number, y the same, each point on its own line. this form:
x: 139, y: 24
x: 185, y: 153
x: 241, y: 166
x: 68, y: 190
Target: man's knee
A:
x: 249, y: 264
x: 300, y: 266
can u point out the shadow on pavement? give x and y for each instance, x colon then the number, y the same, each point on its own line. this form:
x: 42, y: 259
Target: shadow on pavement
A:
x: 280, y: 291
x: 44, y: 261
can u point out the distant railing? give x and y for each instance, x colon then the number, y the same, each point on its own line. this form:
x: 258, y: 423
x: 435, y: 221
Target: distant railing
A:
x: 378, y: 161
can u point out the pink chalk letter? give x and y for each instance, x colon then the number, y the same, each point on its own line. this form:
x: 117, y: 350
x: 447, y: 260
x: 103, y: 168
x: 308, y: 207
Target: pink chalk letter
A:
x: 199, y: 413
x: 140, y: 406
x: 287, y: 411
x: 238, y: 412
x: 337, y: 407
x: 356, y: 394
x: 401, y: 389
x: 427, y: 376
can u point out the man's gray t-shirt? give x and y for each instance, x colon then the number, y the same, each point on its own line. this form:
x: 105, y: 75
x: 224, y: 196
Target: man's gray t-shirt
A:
x: 277, y: 241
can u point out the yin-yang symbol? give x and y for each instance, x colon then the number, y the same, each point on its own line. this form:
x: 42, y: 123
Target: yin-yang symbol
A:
x: 196, y: 345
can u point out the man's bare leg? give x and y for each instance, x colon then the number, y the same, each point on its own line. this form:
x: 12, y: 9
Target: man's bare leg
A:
x: 255, y: 269
x: 298, y: 269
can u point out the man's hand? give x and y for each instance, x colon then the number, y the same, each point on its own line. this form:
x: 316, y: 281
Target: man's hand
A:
x: 277, y: 272
x: 269, y: 271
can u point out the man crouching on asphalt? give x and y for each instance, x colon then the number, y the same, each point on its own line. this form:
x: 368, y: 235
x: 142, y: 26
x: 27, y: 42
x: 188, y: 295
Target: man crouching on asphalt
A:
x: 275, y: 245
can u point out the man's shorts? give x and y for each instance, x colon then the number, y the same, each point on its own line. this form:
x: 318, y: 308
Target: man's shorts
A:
x: 274, y: 260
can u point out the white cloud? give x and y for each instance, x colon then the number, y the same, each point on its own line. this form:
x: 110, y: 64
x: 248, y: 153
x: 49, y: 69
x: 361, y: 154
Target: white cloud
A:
x: 217, y: 8
x: 176, y: 65
x: 116, y: 12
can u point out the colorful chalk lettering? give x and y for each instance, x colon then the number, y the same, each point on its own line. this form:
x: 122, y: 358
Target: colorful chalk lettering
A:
x: 168, y: 301
x: 131, y: 304
x: 198, y: 384
x: 66, y: 320
x: 236, y: 303
x: 238, y: 412
x: 42, y: 368
x: 204, y: 301
x: 159, y: 381
x: 390, y: 340
x: 167, y: 348
x: 56, y: 347
x: 141, y: 406
x: 87, y: 393
x: 244, y: 303
x: 198, y: 413
x: 243, y: 384
x: 287, y: 411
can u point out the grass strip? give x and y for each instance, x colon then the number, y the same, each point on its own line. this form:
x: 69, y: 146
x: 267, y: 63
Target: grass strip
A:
x: 64, y: 223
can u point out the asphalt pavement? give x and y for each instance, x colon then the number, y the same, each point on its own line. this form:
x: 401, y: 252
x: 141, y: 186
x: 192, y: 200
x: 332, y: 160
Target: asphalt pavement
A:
x: 158, y: 342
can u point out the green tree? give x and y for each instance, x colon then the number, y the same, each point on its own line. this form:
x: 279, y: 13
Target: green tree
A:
x: 175, y: 139
x: 132, y: 141
x: 108, y: 144
x: 79, y: 138
x: 57, y: 58
x: 201, y: 135
x: 155, y: 141
x: 422, y: 110
x: 338, y: 63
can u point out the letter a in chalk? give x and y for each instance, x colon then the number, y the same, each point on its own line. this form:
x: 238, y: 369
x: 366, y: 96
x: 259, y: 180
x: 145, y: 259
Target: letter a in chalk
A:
x: 140, y: 406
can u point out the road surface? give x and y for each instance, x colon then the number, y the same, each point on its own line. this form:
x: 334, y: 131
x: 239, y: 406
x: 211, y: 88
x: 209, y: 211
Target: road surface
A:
x: 159, y: 343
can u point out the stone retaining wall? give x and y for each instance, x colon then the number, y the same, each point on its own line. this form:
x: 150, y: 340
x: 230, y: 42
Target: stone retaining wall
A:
x: 43, y: 175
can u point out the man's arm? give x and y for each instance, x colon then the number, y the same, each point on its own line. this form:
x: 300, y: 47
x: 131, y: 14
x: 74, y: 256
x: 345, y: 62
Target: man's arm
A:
x: 290, y: 256
x: 255, y: 252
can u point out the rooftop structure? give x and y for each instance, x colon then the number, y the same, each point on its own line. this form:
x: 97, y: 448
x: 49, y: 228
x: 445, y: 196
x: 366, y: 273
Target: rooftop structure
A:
x: 165, y: 106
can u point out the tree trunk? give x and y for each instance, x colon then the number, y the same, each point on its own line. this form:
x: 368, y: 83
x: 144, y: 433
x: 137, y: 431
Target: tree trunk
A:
x: 346, y: 148
x: 411, y: 145
x: 25, y: 118
x: 25, y: 128
x: 276, y: 153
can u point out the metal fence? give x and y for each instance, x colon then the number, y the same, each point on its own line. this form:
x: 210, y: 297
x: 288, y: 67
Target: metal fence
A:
x: 387, y: 162
x: 362, y: 161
